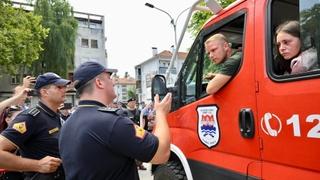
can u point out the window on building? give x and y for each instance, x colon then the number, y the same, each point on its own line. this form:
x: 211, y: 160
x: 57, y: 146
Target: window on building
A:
x: 162, y: 70
x: 148, y: 80
x: 15, y: 79
x: 94, y: 43
x: 301, y: 19
x: 173, y: 70
x: 84, y: 42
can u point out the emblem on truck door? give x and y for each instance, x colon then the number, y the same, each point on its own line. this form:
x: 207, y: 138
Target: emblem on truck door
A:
x: 208, y: 127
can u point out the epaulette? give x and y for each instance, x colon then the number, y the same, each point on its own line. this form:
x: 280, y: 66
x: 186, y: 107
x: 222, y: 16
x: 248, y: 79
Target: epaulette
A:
x: 109, y: 110
x: 33, y: 111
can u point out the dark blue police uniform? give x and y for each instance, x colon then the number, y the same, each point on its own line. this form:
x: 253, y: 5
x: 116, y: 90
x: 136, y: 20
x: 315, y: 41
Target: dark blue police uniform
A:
x: 35, y: 132
x: 96, y: 143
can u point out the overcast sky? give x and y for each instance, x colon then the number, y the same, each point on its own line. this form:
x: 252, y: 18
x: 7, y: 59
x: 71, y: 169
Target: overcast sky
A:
x: 132, y: 28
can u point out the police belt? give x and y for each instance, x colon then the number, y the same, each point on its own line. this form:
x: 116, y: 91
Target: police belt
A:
x: 57, y: 175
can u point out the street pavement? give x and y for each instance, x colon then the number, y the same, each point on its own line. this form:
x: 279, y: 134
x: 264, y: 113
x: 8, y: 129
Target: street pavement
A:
x: 146, y: 174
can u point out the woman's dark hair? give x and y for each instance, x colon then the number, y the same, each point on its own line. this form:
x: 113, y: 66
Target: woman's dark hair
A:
x: 290, y: 27
x: 280, y: 65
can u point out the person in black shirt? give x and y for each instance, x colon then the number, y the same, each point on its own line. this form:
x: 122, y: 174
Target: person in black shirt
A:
x: 133, y: 112
x: 35, y: 133
x: 104, y: 143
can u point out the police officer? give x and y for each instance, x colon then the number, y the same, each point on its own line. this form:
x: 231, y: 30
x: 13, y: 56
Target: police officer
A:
x: 35, y: 133
x: 133, y: 112
x: 105, y: 144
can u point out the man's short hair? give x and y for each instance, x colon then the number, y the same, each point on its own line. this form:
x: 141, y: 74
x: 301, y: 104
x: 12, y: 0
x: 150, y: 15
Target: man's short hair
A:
x: 215, y: 37
x: 87, y: 87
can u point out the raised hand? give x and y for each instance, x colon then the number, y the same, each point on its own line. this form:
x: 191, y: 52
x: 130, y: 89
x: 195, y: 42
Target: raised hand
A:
x: 28, y: 81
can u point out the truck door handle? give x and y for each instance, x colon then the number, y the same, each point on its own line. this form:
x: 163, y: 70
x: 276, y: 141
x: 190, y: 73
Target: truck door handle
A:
x: 246, y: 123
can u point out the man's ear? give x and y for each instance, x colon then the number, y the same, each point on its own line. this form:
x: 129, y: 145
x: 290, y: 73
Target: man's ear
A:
x: 226, y: 45
x: 98, y: 83
x: 43, y: 92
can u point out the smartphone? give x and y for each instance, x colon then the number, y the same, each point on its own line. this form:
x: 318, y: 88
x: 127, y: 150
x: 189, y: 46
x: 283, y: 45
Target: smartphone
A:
x: 32, y: 92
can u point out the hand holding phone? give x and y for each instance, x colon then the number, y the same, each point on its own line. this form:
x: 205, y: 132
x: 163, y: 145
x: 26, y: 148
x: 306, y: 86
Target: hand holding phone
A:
x: 28, y: 81
x: 32, y: 92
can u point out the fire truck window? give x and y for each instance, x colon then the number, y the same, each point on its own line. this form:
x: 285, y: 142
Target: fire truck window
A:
x: 296, y: 38
x: 188, y: 76
x: 234, y: 32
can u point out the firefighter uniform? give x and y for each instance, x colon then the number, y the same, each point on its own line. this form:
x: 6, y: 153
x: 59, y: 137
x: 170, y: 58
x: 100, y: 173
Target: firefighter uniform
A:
x: 35, y: 133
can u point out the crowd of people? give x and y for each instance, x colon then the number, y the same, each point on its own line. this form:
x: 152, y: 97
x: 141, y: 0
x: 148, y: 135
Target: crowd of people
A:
x: 95, y: 140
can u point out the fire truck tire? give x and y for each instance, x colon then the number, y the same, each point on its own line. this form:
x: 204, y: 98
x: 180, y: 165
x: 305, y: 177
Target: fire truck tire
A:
x: 172, y: 170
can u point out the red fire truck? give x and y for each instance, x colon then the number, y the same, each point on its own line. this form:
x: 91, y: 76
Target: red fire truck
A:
x: 260, y: 125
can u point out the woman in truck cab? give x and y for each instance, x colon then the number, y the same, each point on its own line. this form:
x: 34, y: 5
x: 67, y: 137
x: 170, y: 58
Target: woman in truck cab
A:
x: 291, y: 59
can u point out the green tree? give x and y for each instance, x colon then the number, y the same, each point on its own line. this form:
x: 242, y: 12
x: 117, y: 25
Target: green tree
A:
x: 21, y: 38
x: 58, y: 55
x: 200, y: 17
x: 131, y: 92
x: 310, y: 26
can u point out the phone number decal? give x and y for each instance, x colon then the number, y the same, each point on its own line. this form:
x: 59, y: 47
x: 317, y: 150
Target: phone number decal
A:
x: 272, y: 126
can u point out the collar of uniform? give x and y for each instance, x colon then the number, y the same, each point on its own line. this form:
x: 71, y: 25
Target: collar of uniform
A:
x: 46, y: 109
x: 90, y: 103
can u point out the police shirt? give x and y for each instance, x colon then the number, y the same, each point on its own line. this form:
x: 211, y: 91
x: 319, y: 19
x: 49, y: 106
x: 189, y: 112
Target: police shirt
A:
x: 134, y: 115
x: 97, y: 143
x: 35, y: 132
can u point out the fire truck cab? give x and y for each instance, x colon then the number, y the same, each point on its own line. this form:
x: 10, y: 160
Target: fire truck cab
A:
x: 261, y: 124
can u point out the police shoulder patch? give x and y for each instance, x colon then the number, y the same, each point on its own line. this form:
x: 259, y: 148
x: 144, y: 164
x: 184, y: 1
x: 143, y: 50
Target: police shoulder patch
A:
x: 21, y: 127
x: 33, y: 111
x: 139, y: 131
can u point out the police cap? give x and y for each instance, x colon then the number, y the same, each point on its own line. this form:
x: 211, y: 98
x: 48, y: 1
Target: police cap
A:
x: 87, y: 71
x: 50, y: 78
x: 131, y: 99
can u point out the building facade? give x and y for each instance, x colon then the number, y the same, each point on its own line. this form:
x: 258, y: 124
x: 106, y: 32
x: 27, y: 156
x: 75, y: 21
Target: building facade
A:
x: 90, y: 41
x: 89, y: 46
x: 157, y: 64
x: 122, y: 86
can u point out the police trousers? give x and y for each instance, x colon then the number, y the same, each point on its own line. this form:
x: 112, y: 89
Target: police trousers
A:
x: 58, y: 175
x: 11, y: 176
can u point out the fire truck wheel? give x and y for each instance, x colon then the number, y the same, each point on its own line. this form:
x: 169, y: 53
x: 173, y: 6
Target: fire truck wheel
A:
x: 172, y: 170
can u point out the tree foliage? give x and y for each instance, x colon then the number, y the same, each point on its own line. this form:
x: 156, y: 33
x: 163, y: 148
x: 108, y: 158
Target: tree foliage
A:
x: 310, y: 26
x: 200, y: 17
x: 58, y: 55
x: 21, y: 38
x: 131, y: 92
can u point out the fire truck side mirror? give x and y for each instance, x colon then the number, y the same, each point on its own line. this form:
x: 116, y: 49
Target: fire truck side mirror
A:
x: 158, y: 86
